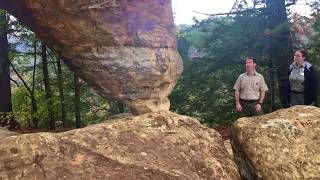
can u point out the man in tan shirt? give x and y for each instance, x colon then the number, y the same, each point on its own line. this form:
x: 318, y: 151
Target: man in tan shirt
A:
x: 250, y: 90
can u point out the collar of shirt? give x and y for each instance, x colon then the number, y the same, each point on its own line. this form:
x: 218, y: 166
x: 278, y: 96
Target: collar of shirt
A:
x: 255, y: 73
x: 297, y: 66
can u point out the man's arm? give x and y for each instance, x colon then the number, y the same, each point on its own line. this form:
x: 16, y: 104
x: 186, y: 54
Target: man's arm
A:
x: 262, y: 95
x: 263, y: 89
x: 258, y: 107
x: 237, y: 98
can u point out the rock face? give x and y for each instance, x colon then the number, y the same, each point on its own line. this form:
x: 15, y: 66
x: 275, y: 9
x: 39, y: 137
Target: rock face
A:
x: 5, y: 133
x: 125, y: 49
x: 160, y: 145
x: 280, y: 145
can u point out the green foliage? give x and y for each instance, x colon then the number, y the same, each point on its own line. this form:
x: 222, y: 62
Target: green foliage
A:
x: 205, y: 88
x: 23, y: 45
x: 315, y: 49
x: 93, y: 108
x: 202, y: 92
x: 183, y: 44
x: 21, y: 106
x: 5, y: 118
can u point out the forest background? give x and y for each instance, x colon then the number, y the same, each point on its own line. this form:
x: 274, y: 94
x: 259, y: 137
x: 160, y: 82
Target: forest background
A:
x: 38, y: 91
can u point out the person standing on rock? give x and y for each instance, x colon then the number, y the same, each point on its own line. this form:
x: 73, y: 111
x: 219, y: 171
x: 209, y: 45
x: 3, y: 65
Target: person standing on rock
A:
x: 250, y: 90
x: 302, y: 81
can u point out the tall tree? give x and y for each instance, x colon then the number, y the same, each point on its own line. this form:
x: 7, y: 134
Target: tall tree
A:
x: 52, y: 124
x: 61, y: 94
x: 34, y: 107
x: 77, y: 99
x: 6, y: 116
x: 280, y: 42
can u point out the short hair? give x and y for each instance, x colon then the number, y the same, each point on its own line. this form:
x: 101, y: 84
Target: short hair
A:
x: 304, y: 53
x: 253, y: 59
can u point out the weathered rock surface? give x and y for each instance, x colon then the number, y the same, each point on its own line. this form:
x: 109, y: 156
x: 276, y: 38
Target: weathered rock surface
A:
x: 4, y: 132
x: 125, y: 49
x: 281, y: 145
x: 160, y: 145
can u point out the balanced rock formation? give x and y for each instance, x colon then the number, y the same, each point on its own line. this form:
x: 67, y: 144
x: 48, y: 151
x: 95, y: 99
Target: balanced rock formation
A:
x: 125, y: 49
x: 160, y: 145
x: 281, y: 145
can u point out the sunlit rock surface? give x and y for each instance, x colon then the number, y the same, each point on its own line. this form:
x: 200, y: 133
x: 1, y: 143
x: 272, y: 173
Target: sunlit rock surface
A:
x: 161, y: 145
x: 281, y: 145
x: 125, y: 49
x: 5, y: 133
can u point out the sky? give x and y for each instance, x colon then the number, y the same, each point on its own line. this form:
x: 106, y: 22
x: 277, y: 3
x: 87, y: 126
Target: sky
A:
x: 183, y: 10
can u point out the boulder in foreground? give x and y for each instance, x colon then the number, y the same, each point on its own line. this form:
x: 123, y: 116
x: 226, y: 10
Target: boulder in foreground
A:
x: 280, y: 145
x: 160, y: 145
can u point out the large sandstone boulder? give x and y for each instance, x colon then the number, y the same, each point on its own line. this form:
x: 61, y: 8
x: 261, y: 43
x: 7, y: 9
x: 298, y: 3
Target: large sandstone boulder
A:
x: 4, y: 132
x: 160, y: 145
x: 282, y: 145
x: 125, y: 49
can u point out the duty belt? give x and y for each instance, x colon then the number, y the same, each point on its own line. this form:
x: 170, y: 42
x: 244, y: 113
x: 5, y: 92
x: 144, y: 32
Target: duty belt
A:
x: 297, y: 92
x: 249, y: 101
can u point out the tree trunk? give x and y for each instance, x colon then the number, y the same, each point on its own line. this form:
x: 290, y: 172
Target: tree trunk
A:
x: 272, y: 86
x: 61, y: 94
x: 77, y: 100
x: 52, y: 124
x: 280, y: 43
x: 120, y: 107
x: 6, y: 116
x: 34, y: 107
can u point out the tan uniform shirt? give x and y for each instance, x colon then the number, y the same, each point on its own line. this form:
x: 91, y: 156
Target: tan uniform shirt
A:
x: 250, y: 86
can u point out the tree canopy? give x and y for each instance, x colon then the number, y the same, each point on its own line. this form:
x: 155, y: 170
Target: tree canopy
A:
x: 214, y: 52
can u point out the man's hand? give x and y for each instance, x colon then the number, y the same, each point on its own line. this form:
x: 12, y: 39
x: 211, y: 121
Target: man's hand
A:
x: 238, y: 107
x: 258, y: 107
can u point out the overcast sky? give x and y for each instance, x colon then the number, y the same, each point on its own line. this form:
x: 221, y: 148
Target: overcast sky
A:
x: 184, y: 9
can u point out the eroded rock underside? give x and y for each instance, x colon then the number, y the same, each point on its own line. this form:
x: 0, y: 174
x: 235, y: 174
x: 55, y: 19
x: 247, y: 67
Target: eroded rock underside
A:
x: 280, y: 145
x: 125, y: 49
x: 160, y: 145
